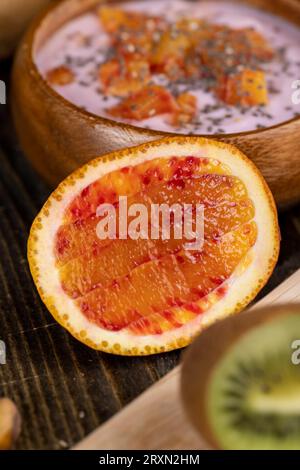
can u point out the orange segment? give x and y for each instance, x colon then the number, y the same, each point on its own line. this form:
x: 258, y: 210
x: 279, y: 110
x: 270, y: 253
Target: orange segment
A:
x: 78, y: 231
x: 116, y: 260
x: 104, y: 260
x: 226, y: 205
x: 171, y: 281
x: 103, y: 263
x: 144, y: 295
x: 132, y: 179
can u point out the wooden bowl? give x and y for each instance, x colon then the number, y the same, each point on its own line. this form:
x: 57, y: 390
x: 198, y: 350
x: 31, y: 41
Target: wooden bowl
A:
x: 58, y: 136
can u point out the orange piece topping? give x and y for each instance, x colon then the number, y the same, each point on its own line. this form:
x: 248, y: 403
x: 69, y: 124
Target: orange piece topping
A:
x: 122, y: 80
x: 144, y: 104
x: 61, y: 75
x: 248, y: 88
x: 187, y: 109
x: 115, y: 19
x: 172, y: 47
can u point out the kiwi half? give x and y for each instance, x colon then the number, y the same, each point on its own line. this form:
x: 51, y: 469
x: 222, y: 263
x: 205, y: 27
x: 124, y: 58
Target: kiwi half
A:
x: 240, y: 384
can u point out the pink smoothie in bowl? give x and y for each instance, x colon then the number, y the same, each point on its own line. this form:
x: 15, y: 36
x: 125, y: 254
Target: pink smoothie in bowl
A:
x: 177, y: 66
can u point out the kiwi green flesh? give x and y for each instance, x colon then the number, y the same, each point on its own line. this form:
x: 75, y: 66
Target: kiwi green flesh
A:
x: 253, y: 395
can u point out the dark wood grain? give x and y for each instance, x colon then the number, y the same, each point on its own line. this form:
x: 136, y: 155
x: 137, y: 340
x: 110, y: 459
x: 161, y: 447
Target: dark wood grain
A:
x: 63, y: 389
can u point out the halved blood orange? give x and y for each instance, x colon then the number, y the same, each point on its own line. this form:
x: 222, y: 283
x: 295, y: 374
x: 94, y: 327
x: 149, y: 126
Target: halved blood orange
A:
x: 144, y: 296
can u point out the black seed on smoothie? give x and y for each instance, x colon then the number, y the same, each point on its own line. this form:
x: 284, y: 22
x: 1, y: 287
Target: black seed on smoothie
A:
x: 273, y: 90
x: 68, y: 60
x: 87, y: 41
x: 282, y: 50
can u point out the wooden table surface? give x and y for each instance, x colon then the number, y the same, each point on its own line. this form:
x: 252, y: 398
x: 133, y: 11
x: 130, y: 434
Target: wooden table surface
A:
x: 63, y: 389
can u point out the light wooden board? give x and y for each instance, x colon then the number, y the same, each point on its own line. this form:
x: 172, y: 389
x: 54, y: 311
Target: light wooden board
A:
x: 156, y: 420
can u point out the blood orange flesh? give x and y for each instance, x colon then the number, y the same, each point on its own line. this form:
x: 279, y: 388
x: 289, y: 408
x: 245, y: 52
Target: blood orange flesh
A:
x: 156, y: 288
x: 127, y: 283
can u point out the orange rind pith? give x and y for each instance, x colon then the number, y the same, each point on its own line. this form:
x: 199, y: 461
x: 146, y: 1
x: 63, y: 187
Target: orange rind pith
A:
x: 139, y: 297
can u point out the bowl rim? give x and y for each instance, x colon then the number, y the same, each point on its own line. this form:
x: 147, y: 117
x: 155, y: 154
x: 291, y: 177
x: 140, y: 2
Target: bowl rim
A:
x: 28, y: 43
